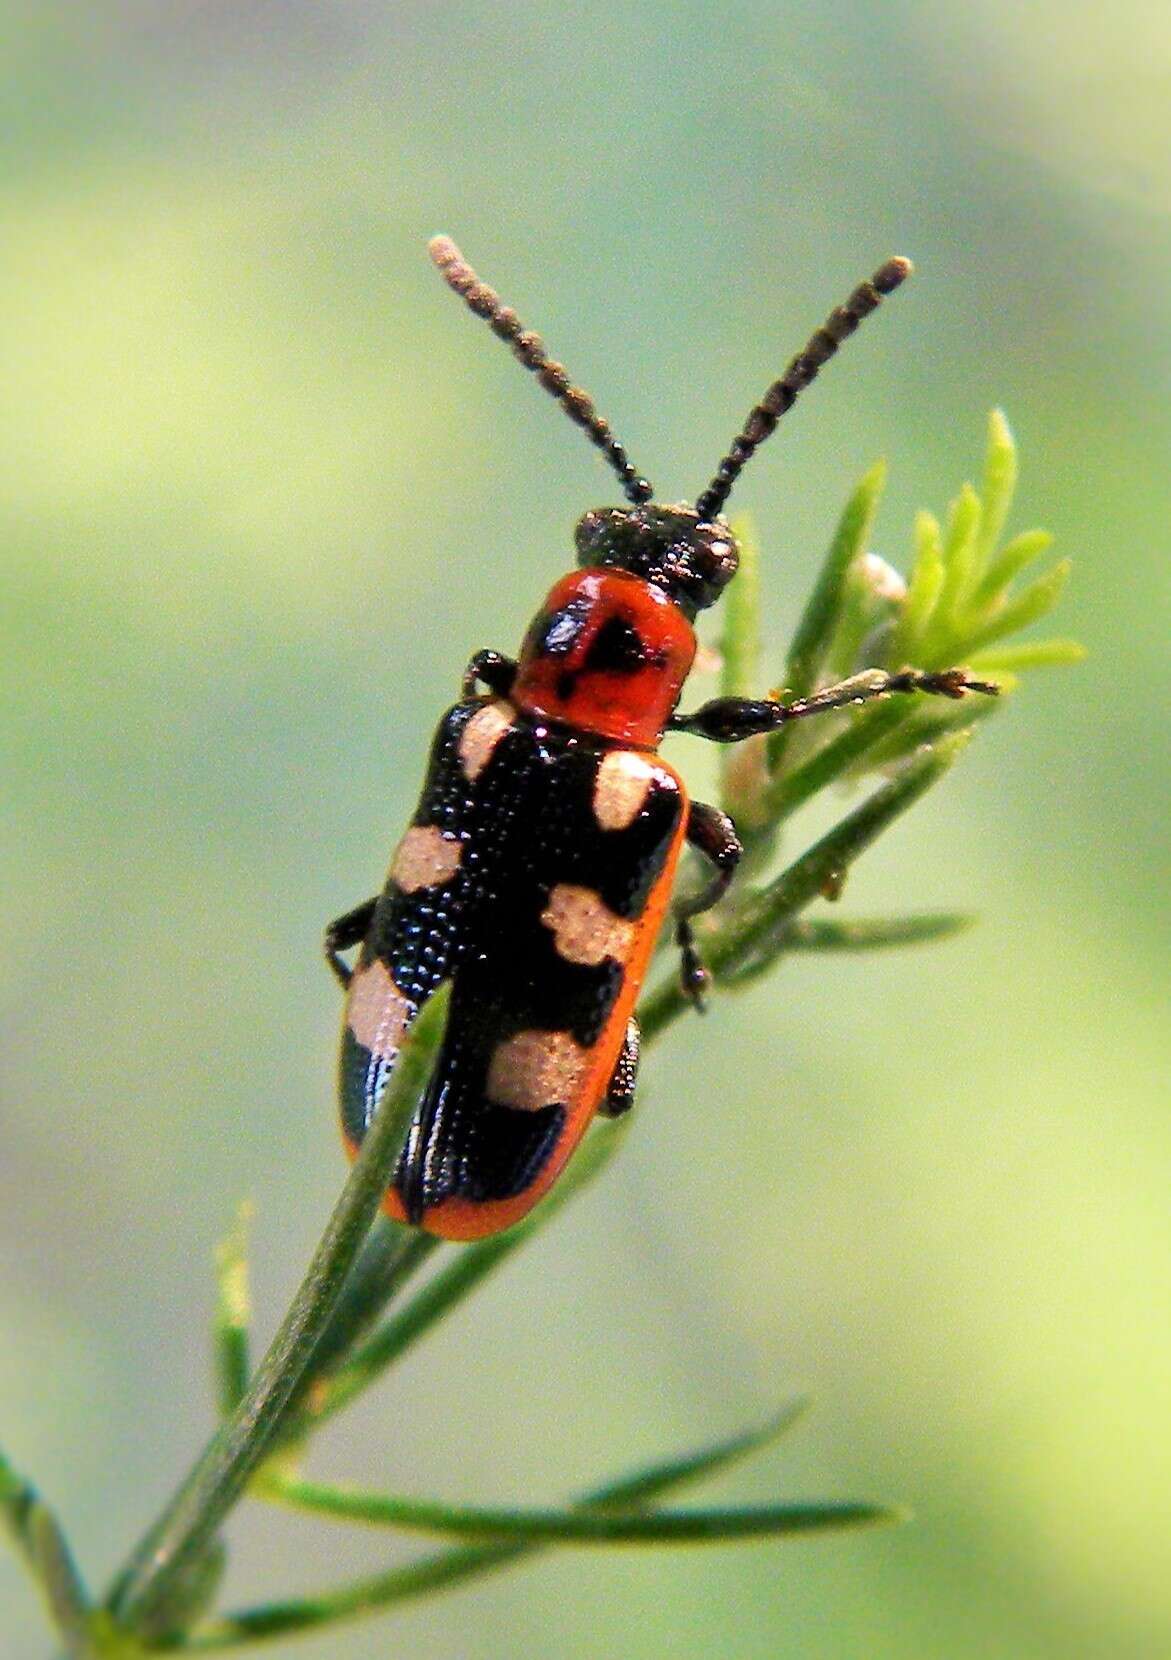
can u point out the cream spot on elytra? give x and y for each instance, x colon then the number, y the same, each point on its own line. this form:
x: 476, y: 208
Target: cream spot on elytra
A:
x: 536, y: 1069
x: 425, y: 858
x: 621, y: 787
x: 585, y: 930
x: 377, y: 1012
x: 480, y: 736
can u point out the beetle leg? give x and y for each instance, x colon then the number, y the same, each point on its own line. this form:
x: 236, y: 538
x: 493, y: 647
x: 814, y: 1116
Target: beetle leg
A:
x: 713, y: 834
x: 726, y: 720
x: 343, y: 933
x: 619, y: 1096
x: 493, y: 669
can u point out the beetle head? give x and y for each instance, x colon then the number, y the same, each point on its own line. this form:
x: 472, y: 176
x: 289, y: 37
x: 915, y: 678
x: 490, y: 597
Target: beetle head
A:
x: 691, y: 559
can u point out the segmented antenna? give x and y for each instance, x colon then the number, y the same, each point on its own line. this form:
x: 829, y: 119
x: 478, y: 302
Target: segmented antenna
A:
x: 782, y: 394
x: 530, y: 349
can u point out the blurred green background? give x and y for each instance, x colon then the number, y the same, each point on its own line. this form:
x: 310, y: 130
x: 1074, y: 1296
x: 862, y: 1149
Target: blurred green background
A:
x: 264, y: 488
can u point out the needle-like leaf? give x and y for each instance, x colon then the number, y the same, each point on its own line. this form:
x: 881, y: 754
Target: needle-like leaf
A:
x: 573, y: 1526
x: 923, y: 592
x: 1027, y: 607
x: 1035, y: 654
x: 833, y: 760
x: 17, y: 1498
x: 38, y: 1538
x: 64, y: 1591
x: 959, y: 555
x: 230, y: 1341
x: 927, y: 726
x: 743, y: 773
x: 819, y: 620
x: 740, y: 638
x: 370, y: 1595
x: 856, y: 935
x: 997, y: 488
x: 1013, y: 558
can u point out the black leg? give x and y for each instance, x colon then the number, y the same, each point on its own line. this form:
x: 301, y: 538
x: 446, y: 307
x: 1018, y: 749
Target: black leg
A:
x: 344, y: 933
x: 619, y: 1097
x: 726, y: 720
x: 492, y: 669
x: 713, y: 834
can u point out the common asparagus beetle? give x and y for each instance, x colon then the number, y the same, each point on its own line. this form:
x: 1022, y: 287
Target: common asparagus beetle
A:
x: 537, y: 870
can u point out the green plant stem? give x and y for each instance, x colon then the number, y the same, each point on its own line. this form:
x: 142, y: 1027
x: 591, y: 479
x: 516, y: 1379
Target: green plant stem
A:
x: 188, y: 1525
x: 390, y: 1257
x: 454, y: 1281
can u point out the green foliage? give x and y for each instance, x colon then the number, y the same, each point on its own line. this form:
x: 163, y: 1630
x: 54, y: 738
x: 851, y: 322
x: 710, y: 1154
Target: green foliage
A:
x: 821, y: 619
x: 230, y: 1345
x: 569, y: 1526
x: 187, y: 1528
x: 630, y: 1494
x: 38, y: 1538
x: 958, y: 607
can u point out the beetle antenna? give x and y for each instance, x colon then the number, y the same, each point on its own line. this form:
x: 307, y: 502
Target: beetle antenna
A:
x: 782, y: 394
x: 530, y: 349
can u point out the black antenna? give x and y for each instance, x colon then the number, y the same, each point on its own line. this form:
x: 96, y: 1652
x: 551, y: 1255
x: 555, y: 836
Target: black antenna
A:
x: 782, y: 394
x: 530, y: 349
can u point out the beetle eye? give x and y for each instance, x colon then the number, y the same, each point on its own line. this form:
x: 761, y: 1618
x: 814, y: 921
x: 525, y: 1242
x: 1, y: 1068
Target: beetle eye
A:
x: 559, y: 631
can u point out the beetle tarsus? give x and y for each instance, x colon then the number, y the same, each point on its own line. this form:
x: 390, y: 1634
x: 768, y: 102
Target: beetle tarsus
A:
x: 694, y: 979
x: 343, y: 933
x: 713, y: 834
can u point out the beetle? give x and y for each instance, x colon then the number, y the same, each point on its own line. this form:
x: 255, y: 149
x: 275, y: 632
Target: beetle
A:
x: 538, y: 868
